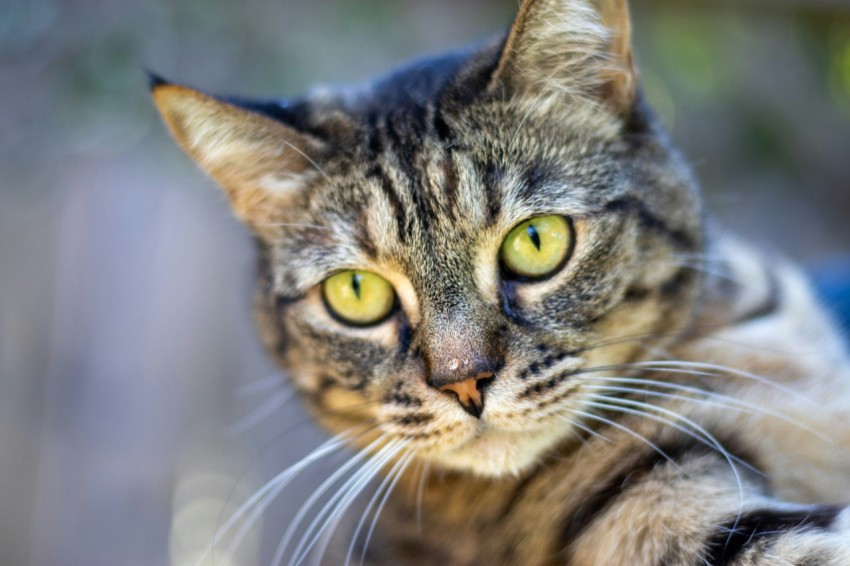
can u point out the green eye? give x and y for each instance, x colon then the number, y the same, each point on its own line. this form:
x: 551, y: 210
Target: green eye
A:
x: 537, y: 247
x: 358, y: 297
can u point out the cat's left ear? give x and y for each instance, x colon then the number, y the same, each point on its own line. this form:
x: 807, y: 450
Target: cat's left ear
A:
x: 261, y: 163
x: 573, y: 47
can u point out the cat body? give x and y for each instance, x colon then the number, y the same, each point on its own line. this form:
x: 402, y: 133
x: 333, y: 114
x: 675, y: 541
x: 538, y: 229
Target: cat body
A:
x: 652, y: 391
x: 616, y: 500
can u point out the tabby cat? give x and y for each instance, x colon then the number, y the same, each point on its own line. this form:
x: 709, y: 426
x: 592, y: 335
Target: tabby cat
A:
x: 490, y: 273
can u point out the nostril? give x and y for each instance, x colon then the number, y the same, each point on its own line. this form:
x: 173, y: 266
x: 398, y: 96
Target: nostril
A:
x: 470, y: 392
x: 482, y: 383
x: 473, y: 409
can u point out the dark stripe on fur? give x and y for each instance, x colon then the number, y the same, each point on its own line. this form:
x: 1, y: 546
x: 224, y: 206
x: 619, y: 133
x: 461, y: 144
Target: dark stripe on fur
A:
x: 399, y: 142
x: 441, y: 128
x: 758, y: 525
x: 403, y: 135
x: 538, y: 174
x: 521, y: 488
x: 638, y: 469
x: 650, y: 221
x: 770, y: 304
x: 518, y: 494
x: 493, y: 176
x: 636, y: 294
x: 510, y: 303
x: 389, y: 191
x: 680, y: 281
x: 671, y: 288
x: 448, y: 199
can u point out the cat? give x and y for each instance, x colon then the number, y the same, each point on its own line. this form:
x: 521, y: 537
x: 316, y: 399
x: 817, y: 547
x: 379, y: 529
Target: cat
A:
x: 491, y: 274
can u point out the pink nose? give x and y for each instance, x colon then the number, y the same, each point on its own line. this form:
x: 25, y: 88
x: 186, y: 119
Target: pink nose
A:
x: 470, y: 392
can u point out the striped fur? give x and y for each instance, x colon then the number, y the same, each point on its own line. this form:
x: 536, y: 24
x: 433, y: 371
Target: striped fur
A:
x: 671, y: 396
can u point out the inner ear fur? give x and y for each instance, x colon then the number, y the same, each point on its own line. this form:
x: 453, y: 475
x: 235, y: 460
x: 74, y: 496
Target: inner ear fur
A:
x: 259, y: 162
x: 579, y: 48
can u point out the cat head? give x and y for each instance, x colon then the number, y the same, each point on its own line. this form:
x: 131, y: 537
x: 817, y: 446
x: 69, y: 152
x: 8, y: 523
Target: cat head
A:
x: 451, y: 255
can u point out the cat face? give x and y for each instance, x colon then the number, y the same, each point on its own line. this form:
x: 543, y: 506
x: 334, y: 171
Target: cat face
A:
x: 447, y: 254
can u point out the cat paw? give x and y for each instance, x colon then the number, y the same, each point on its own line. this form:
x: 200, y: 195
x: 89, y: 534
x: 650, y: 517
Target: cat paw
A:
x: 817, y: 536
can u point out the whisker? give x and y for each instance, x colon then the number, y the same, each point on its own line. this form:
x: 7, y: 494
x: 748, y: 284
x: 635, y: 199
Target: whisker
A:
x: 259, y: 510
x: 382, y: 505
x: 699, y: 369
x: 260, y: 386
x: 422, y: 479
x: 660, y: 394
x: 343, y: 499
x: 714, y: 398
x: 704, y: 437
x: 627, y: 430
x: 624, y: 340
x: 716, y: 273
x: 704, y: 333
x: 366, y: 480
x: 654, y: 350
x: 252, y: 420
x: 712, y: 441
x: 345, y: 411
x: 725, y: 370
x: 297, y: 225
x: 318, y: 492
x: 309, y: 159
x: 586, y: 429
x: 392, y: 479
x: 273, y: 485
x: 700, y: 257
x: 417, y: 471
x: 329, y: 532
x: 365, y: 513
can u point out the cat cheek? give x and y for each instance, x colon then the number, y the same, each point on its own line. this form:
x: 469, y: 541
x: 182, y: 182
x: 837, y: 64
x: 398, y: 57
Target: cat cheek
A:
x: 411, y: 407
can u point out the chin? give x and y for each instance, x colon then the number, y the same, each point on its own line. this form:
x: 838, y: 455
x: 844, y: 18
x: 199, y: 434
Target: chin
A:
x: 496, y: 454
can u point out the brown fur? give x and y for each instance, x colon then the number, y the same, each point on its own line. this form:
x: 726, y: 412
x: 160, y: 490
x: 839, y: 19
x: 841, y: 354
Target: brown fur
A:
x: 644, y: 409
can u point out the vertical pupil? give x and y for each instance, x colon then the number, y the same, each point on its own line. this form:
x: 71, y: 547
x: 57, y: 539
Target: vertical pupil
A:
x: 534, y: 236
x: 355, y: 284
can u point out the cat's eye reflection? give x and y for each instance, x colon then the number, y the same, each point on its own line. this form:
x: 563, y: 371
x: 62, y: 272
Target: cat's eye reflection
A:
x: 537, y: 247
x: 359, y: 298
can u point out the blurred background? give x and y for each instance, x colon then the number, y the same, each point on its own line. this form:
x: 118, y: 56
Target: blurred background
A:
x: 136, y: 408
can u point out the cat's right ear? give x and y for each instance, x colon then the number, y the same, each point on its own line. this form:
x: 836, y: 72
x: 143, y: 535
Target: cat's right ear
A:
x: 260, y: 163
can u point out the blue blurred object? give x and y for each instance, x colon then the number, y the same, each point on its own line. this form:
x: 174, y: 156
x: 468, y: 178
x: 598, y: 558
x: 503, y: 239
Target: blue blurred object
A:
x: 832, y: 281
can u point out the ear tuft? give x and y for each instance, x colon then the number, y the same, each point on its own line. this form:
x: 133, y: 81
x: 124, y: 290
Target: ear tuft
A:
x: 573, y: 48
x: 154, y: 80
x: 260, y: 163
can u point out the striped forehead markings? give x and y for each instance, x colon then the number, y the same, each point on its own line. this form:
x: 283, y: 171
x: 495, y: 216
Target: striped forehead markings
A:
x: 426, y: 184
x: 492, y: 181
x: 388, y: 189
